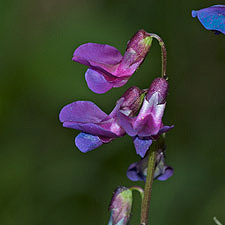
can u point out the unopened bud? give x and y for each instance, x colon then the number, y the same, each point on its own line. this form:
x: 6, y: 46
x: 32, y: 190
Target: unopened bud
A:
x: 136, y: 51
x: 120, y: 206
x: 133, y: 98
x: 159, y: 85
x: 140, y: 43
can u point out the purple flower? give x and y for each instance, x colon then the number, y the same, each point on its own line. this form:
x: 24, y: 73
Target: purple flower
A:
x: 138, y: 171
x: 97, y: 127
x: 120, y: 206
x: 147, y: 125
x: 212, y: 18
x: 107, y: 67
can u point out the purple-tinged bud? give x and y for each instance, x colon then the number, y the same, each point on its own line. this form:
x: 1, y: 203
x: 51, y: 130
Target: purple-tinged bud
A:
x: 120, y: 206
x: 136, y: 51
x: 140, y: 43
x: 133, y: 99
x: 159, y: 85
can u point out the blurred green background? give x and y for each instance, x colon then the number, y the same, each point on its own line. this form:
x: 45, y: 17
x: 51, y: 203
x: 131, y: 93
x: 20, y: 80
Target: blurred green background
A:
x: 44, y: 179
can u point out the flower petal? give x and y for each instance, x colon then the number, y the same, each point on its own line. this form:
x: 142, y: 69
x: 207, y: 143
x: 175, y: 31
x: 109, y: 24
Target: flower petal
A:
x: 168, y: 172
x: 126, y: 123
x: 98, y: 56
x: 150, y: 116
x: 82, y: 111
x: 87, y: 142
x: 164, y: 129
x: 87, y: 117
x: 212, y: 18
x: 142, y: 145
x: 119, y: 82
x: 147, y: 126
x: 138, y: 171
x: 133, y: 172
x: 97, y: 82
x: 91, y: 128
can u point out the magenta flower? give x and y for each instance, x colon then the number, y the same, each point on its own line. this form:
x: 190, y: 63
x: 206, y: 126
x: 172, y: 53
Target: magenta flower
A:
x: 107, y: 67
x: 97, y: 127
x: 138, y: 171
x: 147, y: 125
x: 212, y: 18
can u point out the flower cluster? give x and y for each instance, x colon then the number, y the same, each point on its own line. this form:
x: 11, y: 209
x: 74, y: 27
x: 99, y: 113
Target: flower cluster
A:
x: 97, y: 127
x: 137, y: 113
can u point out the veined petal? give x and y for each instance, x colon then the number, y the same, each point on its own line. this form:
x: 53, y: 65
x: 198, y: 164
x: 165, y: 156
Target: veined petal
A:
x: 82, y: 111
x: 91, y: 54
x: 87, y: 142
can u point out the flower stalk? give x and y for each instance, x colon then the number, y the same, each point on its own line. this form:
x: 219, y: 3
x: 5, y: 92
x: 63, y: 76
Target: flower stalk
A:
x: 163, y: 53
x: 139, y: 189
x: 148, y: 185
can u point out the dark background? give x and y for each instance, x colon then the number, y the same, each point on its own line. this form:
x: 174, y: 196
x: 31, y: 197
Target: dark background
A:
x: 44, y: 179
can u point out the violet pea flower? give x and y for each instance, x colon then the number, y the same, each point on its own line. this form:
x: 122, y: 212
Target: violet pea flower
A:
x: 212, y: 18
x: 147, y: 125
x: 97, y: 127
x: 107, y: 67
x: 138, y: 171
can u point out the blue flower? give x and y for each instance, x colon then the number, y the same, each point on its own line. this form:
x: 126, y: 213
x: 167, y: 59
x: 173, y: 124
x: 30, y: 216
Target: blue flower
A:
x: 212, y: 18
x: 138, y: 171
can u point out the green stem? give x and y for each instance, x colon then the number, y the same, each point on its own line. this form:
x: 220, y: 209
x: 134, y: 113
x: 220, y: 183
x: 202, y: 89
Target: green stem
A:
x: 148, y: 185
x: 163, y: 53
x: 139, y: 189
